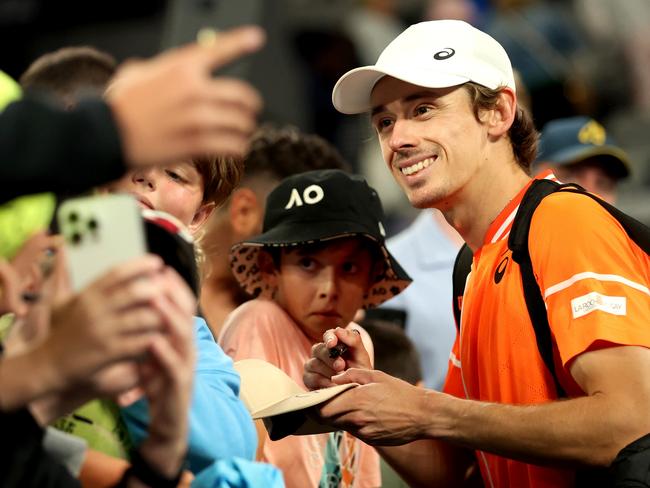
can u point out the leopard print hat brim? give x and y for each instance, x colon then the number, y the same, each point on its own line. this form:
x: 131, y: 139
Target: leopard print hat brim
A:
x: 244, y: 265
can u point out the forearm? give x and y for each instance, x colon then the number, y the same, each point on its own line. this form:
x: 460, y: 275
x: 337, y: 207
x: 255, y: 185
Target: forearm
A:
x: 25, y: 378
x: 431, y: 463
x: 165, y: 456
x: 51, y: 406
x: 582, y: 431
x: 35, y: 380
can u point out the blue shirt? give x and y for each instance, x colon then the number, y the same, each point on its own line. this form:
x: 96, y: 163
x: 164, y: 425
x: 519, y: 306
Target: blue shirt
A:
x: 428, y: 256
x: 220, y: 426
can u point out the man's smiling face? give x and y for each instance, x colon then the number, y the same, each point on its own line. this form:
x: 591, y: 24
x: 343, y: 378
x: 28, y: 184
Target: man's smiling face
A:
x: 430, y: 138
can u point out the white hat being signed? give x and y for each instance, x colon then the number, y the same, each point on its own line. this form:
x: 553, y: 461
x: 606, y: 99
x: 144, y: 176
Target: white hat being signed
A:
x: 434, y: 54
x: 270, y: 394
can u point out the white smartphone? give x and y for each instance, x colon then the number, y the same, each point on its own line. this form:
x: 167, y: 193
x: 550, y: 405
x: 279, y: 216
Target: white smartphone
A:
x: 100, y: 232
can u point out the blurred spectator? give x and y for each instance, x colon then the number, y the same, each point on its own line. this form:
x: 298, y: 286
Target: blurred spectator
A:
x: 87, y: 347
x: 466, y: 10
x: 523, y: 95
x: 371, y: 25
x: 189, y: 191
x: 543, y: 40
x: 69, y: 74
x: 236, y: 105
x: 326, y: 53
x: 619, y: 31
x: 579, y: 150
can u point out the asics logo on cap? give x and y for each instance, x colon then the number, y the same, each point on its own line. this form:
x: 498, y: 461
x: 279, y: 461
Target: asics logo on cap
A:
x: 310, y: 195
x: 446, y: 53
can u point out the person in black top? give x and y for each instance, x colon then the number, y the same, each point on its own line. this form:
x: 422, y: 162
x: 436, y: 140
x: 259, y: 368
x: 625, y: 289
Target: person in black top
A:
x: 157, y: 111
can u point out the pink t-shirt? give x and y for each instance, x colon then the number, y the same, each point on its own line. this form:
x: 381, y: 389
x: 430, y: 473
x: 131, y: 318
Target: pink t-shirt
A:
x: 262, y: 329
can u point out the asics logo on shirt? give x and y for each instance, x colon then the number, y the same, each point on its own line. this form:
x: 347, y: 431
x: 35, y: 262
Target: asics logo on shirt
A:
x: 501, y: 270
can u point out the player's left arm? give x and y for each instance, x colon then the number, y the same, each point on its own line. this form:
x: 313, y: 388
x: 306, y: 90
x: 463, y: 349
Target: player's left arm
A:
x: 615, y: 379
x: 595, y: 282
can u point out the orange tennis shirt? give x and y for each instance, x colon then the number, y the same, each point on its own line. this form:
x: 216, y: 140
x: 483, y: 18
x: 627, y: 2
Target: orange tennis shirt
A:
x: 595, y: 282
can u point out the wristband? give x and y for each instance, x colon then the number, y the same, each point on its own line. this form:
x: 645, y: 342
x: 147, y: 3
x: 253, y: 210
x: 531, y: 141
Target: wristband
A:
x: 147, y: 474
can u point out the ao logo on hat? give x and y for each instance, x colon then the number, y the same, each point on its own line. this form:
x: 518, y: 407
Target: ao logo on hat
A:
x: 310, y: 195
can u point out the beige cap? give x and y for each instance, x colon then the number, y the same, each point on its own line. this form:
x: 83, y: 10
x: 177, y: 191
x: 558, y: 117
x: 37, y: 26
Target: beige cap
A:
x: 270, y: 394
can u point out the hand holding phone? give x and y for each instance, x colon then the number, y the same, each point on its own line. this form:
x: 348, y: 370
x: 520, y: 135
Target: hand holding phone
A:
x: 100, y: 232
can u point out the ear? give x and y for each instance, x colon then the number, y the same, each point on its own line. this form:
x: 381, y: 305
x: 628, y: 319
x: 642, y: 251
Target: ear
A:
x: 500, y: 118
x: 267, y: 268
x: 246, y: 213
x: 201, y: 216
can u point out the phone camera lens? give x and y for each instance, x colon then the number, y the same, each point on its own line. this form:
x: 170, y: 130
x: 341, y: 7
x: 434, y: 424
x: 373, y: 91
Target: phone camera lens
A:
x: 76, y: 238
x: 73, y: 217
x: 93, y: 224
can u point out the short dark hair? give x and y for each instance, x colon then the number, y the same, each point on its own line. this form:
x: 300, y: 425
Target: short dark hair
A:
x: 395, y: 353
x: 70, y: 72
x: 284, y: 151
x: 523, y: 135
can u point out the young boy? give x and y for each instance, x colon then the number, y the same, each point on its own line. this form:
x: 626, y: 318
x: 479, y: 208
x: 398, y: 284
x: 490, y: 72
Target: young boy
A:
x: 276, y: 152
x: 321, y: 257
x: 220, y: 427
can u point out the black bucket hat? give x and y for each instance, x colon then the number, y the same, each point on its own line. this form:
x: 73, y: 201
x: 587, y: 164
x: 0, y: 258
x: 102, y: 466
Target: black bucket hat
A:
x: 313, y: 207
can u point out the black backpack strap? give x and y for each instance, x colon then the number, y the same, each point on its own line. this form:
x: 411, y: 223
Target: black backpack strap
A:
x: 462, y: 267
x: 637, y: 231
x: 518, y: 243
x: 631, y: 468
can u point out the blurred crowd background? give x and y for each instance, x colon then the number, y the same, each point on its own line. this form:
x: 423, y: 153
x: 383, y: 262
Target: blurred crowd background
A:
x: 588, y: 57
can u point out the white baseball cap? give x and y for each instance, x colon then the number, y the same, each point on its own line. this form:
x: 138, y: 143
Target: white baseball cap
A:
x: 434, y: 54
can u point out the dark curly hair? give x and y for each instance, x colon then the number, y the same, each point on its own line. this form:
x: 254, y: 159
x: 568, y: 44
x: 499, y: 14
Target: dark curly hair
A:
x: 523, y: 135
x: 280, y: 152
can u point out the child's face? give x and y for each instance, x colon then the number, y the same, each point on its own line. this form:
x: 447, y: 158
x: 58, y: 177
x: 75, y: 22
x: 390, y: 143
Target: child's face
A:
x: 176, y: 189
x: 324, y: 289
